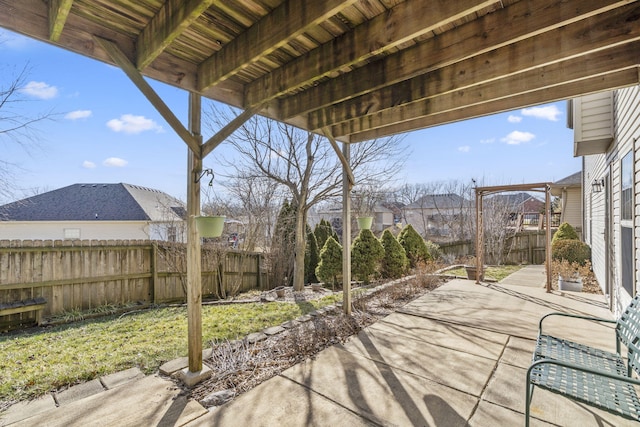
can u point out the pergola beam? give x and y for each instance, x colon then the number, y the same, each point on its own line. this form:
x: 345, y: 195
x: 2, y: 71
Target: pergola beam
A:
x: 134, y: 75
x: 609, y: 81
x: 528, y: 27
x: 169, y: 23
x: 406, y: 21
x: 425, y: 94
x: 58, y: 14
x: 286, y: 22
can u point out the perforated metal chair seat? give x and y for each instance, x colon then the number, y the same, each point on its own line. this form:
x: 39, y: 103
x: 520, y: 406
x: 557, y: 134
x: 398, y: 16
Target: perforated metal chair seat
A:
x: 612, y: 395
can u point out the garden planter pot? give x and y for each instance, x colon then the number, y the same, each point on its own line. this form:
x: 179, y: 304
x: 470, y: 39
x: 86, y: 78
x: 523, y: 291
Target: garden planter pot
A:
x: 279, y: 291
x: 365, y: 222
x: 472, y: 273
x: 210, y: 226
x: 574, y: 285
x: 316, y: 287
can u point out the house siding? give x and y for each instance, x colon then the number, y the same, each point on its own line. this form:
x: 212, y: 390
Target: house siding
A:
x: 572, y: 206
x: 627, y: 133
x: 54, y: 230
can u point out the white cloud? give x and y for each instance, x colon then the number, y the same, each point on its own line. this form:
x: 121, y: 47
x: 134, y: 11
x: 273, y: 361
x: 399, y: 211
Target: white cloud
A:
x: 115, y: 162
x: 78, y: 114
x: 88, y: 164
x: 40, y: 90
x: 516, y: 137
x: 464, y: 149
x: 128, y: 123
x: 549, y: 112
x: 487, y: 141
x: 514, y: 119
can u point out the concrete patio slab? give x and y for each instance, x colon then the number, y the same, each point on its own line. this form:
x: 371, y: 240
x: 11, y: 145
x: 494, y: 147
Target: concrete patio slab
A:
x: 381, y: 393
x: 122, y: 377
x: 507, y: 389
x: 149, y: 401
x: 79, y: 391
x: 490, y: 415
x: 518, y: 352
x: 283, y: 403
x: 457, y: 337
x: 440, y: 364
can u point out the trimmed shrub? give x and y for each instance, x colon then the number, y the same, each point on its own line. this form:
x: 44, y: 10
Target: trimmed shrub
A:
x: 395, y: 261
x: 330, y: 264
x: 573, y: 251
x: 322, y: 232
x: 414, y: 246
x: 565, y: 232
x: 433, y: 249
x: 366, y: 254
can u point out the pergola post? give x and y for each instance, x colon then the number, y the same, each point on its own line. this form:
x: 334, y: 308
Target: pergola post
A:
x: 346, y: 232
x: 547, y: 216
x: 479, y: 237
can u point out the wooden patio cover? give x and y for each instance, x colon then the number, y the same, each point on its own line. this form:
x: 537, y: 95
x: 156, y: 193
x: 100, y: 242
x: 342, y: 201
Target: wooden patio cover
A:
x: 352, y: 70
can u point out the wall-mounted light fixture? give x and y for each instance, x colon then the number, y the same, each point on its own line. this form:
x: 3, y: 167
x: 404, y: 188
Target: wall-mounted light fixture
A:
x: 597, y: 185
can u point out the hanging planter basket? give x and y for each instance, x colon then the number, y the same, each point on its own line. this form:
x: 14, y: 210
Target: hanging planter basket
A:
x: 210, y: 226
x: 365, y: 222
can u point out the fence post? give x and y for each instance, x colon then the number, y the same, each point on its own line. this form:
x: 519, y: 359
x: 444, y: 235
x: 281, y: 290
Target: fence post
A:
x: 154, y: 272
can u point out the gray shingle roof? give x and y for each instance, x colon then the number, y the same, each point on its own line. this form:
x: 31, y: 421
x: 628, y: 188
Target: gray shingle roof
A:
x: 439, y: 201
x: 574, y: 180
x: 85, y: 202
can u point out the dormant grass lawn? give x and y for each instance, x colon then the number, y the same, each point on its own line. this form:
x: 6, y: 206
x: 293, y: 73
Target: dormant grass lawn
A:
x: 497, y: 272
x: 41, y: 360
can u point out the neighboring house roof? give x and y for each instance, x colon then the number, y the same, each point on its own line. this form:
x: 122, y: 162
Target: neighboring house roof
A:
x: 96, y: 202
x: 439, y: 201
x: 515, y: 199
x: 574, y: 180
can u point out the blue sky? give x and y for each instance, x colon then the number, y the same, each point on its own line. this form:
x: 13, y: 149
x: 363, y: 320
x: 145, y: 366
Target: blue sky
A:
x: 105, y: 131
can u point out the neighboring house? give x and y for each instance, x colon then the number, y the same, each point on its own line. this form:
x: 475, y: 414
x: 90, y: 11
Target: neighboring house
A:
x: 569, y: 190
x: 383, y: 217
x: 607, y: 134
x: 95, y: 211
x: 440, y: 216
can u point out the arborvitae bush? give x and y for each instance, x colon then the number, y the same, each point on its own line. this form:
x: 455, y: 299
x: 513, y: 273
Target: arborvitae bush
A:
x: 322, y: 232
x: 395, y: 262
x: 414, y: 246
x: 330, y: 264
x: 433, y: 249
x: 311, y: 257
x: 366, y: 254
x: 572, y: 250
x: 565, y: 232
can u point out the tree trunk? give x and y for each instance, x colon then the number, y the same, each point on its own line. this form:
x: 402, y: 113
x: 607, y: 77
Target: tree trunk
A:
x: 300, y: 246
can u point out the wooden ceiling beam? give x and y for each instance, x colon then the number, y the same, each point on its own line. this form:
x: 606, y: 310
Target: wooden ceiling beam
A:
x: 522, y: 21
x: 619, y: 79
x: 286, y: 22
x: 428, y: 94
x: 406, y: 21
x: 58, y: 14
x: 172, y: 19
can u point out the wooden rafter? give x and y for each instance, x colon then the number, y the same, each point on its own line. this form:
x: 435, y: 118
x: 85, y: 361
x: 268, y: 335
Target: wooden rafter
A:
x: 58, y: 13
x: 482, y: 37
x: 286, y: 22
x: 171, y: 21
x: 407, y: 20
x: 346, y: 167
x: 594, y: 84
x: 425, y: 94
x: 130, y: 70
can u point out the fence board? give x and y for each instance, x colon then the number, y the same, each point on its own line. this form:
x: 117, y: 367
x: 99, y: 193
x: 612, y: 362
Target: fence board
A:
x: 87, y: 274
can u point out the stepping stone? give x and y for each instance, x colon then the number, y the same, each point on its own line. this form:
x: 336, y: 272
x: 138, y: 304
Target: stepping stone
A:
x: 304, y: 318
x: 273, y: 330
x: 290, y: 324
x: 256, y: 337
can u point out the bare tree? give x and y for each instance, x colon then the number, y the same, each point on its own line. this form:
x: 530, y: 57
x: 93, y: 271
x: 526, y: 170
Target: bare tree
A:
x: 305, y: 165
x: 15, y: 126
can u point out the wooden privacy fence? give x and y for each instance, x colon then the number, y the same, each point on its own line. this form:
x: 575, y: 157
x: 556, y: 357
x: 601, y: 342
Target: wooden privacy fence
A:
x: 83, y: 275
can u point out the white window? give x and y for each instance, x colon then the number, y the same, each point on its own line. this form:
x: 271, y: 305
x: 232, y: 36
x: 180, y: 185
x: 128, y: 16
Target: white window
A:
x: 71, y: 233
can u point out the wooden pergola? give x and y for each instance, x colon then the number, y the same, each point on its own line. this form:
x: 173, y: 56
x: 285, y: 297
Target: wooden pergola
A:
x: 481, y: 192
x: 350, y: 70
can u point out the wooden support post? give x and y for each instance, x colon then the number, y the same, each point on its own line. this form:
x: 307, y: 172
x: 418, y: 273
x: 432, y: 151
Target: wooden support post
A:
x: 194, y: 276
x: 547, y: 210
x: 346, y: 232
x: 479, y: 237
